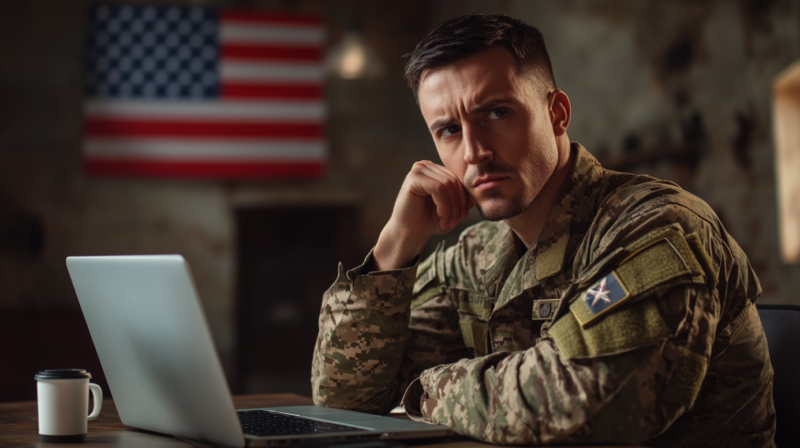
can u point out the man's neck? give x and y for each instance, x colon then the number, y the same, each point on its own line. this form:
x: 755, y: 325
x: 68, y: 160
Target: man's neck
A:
x: 530, y: 223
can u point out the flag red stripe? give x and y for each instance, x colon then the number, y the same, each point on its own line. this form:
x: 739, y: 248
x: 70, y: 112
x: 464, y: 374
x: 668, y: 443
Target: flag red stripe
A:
x: 98, y: 127
x: 271, y: 52
x: 242, y: 90
x: 202, y: 169
x: 275, y: 18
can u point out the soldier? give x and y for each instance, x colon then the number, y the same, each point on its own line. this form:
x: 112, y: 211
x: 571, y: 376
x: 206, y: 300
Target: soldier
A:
x: 589, y: 307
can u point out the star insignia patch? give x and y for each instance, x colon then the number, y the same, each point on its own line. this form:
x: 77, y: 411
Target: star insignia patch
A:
x: 605, y: 294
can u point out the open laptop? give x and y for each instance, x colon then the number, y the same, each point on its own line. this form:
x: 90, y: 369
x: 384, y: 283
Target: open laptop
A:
x: 155, y: 346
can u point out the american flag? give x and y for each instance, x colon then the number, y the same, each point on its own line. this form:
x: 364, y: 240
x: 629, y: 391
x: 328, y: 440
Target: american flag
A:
x: 202, y: 92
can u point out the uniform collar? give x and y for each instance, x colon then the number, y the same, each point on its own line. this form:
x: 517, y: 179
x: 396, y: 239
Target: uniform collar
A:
x: 570, y: 216
x: 564, y: 230
x: 501, y: 259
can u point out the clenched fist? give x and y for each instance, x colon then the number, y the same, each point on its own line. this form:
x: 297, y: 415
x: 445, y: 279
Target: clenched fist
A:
x: 432, y: 201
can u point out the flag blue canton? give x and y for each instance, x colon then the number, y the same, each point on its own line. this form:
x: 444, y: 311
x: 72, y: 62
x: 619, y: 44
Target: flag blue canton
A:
x: 152, y: 52
x: 605, y: 294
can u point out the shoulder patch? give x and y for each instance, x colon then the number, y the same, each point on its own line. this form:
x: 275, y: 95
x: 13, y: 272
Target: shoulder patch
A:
x: 605, y: 295
x: 661, y: 260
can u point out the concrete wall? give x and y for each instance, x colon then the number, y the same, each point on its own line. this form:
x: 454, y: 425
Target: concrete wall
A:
x: 680, y: 90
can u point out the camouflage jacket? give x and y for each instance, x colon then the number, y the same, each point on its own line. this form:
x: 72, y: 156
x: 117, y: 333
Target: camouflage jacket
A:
x: 630, y: 320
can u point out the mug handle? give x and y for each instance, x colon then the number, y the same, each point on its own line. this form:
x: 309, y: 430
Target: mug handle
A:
x: 97, y: 394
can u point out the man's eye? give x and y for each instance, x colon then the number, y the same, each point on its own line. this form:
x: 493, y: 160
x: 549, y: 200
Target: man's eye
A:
x: 450, y: 130
x: 497, y: 114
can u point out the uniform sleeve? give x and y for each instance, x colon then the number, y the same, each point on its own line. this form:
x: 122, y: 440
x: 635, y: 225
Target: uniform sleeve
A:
x: 623, y: 377
x: 371, y: 343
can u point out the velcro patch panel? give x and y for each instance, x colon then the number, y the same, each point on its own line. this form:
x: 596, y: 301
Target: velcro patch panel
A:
x: 659, y: 261
x: 475, y: 334
x: 631, y: 327
x: 618, y: 311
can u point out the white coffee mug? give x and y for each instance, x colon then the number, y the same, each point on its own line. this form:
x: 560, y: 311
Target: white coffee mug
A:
x: 63, y: 398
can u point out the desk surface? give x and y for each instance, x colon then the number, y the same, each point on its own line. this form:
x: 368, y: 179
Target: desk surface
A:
x: 19, y: 426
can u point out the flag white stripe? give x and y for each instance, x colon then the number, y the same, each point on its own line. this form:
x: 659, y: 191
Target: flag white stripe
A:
x: 265, y: 71
x: 190, y: 149
x: 312, y: 111
x: 259, y: 34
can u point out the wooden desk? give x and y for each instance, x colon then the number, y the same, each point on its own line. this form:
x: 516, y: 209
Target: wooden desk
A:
x: 19, y: 427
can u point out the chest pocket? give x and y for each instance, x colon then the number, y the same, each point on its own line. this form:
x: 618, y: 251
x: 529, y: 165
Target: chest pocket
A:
x: 474, y: 310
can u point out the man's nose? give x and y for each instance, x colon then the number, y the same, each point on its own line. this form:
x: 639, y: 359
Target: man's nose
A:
x: 475, y: 149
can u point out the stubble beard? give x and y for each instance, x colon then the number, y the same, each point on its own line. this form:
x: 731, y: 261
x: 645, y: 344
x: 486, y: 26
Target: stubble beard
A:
x: 515, y: 206
x: 505, y: 208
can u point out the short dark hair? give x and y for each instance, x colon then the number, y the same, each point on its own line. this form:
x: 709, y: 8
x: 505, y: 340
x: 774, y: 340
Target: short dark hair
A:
x: 465, y: 36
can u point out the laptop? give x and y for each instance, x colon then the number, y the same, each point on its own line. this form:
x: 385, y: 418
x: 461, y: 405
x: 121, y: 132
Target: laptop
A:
x: 153, y: 340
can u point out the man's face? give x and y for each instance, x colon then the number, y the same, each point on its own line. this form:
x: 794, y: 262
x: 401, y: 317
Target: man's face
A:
x: 492, y: 129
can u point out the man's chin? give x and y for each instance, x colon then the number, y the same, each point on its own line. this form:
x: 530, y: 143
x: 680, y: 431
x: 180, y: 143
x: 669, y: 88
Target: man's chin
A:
x: 499, y: 211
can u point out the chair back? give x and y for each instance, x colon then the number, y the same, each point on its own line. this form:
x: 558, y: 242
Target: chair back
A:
x: 782, y: 326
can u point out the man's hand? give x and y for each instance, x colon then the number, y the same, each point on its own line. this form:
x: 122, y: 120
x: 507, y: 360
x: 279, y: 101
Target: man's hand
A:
x: 432, y: 201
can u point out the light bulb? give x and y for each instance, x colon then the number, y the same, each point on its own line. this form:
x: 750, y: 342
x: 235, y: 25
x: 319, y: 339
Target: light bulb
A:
x: 354, y: 58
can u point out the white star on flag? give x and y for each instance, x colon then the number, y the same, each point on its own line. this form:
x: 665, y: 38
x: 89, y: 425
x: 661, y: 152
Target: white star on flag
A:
x: 601, y: 293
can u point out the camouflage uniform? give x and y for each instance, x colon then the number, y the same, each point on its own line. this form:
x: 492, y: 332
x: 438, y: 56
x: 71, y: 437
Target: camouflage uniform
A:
x: 507, y: 345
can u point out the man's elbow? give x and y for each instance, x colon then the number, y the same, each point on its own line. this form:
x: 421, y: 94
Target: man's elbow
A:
x: 331, y: 397
x: 331, y: 394
x: 324, y: 395
x: 350, y: 397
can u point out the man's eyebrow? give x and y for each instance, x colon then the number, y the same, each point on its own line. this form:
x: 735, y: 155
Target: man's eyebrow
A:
x: 440, y: 123
x: 491, y: 104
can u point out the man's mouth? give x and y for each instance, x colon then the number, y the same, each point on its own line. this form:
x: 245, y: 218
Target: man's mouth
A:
x: 486, y: 182
x: 485, y: 177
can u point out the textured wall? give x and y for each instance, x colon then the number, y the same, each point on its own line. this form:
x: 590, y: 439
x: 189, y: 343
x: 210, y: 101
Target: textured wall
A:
x: 678, y: 89
x: 650, y: 79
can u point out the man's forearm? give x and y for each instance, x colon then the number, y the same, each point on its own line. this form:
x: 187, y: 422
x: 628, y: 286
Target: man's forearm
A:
x: 539, y: 396
x: 396, y: 249
x: 363, y: 331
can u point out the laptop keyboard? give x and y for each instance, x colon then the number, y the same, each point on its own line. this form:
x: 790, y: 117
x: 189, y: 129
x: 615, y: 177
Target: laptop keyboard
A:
x: 266, y: 423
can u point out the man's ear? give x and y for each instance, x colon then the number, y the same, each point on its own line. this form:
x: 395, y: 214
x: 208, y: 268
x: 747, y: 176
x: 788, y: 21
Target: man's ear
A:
x: 560, y: 111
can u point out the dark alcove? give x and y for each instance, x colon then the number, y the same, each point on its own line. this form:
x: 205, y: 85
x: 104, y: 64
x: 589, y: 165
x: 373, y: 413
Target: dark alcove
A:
x: 288, y: 257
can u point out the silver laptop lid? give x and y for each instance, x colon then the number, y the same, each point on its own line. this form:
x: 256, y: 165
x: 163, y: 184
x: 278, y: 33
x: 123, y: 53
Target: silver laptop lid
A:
x: 155, y: 346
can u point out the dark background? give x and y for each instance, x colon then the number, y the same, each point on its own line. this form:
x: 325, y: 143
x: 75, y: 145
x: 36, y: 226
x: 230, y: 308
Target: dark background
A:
x: 678, y: 89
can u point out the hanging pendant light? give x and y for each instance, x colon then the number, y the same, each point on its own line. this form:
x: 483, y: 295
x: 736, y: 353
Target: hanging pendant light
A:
x: 352, y: 58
